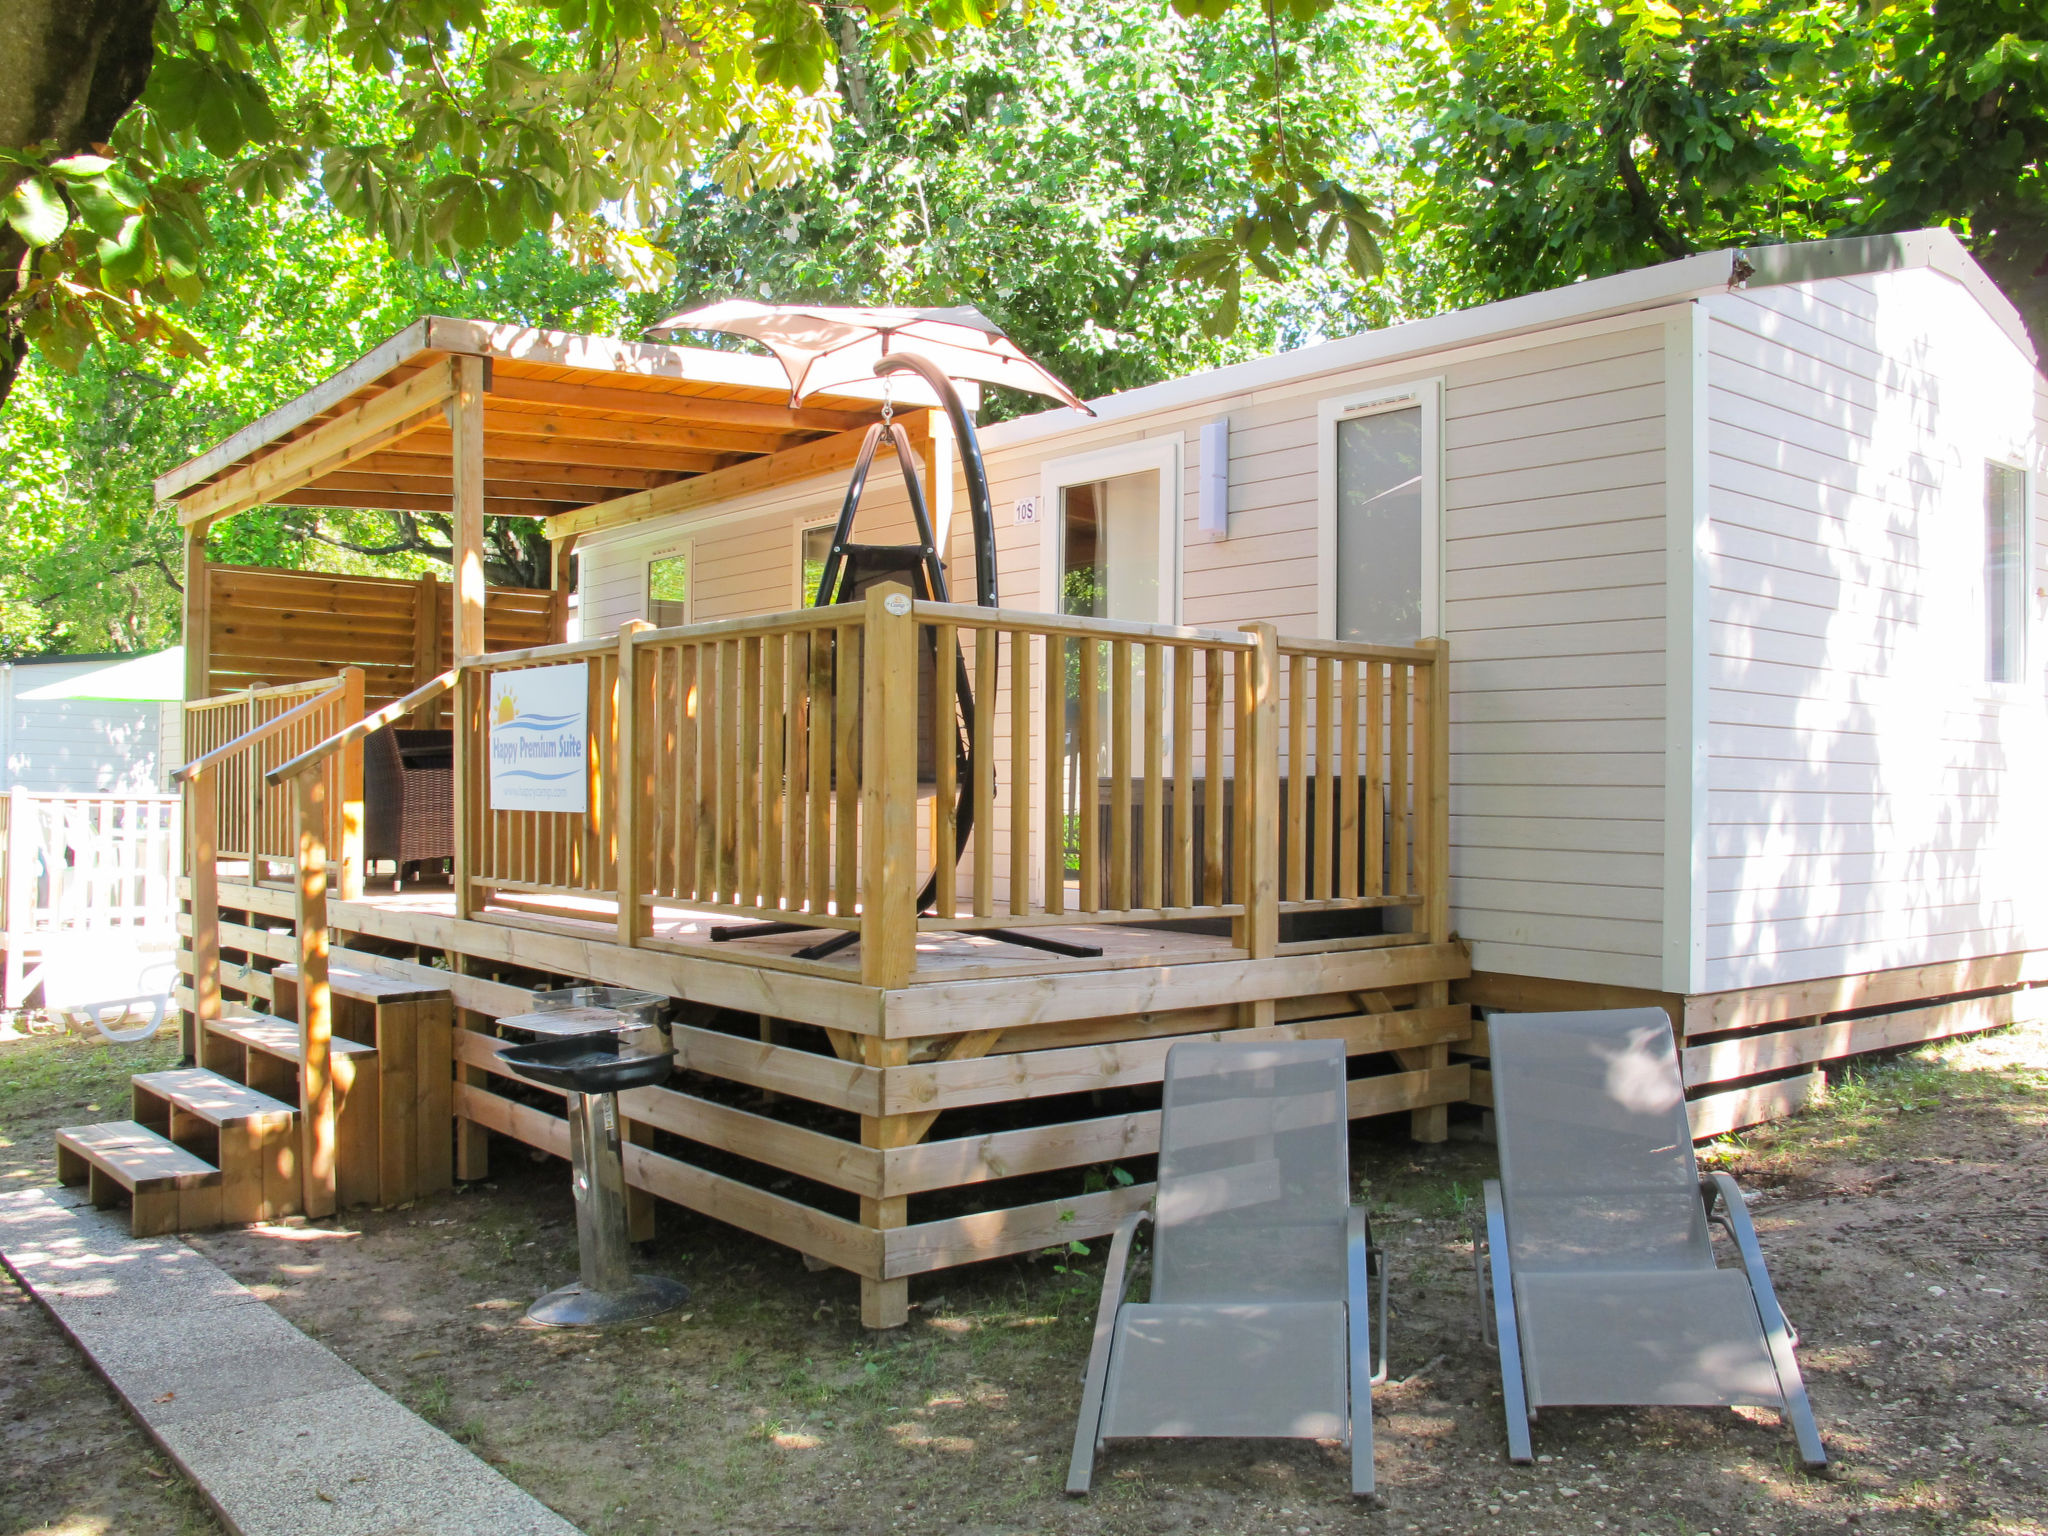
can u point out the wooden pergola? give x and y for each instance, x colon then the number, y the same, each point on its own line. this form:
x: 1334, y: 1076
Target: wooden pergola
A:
x: 470, y: 419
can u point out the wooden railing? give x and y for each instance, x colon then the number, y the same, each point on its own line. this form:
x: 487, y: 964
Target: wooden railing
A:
x: 88, y: 861
x: 1362, y: 774
x: 1115, y: 775
x: 568, y: 852
x: 249, y: 733
x: 775, y: 768
x: 287, y: 787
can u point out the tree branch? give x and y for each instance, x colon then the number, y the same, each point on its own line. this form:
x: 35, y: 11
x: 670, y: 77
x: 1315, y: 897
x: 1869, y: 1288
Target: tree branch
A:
x: 1667, y: 240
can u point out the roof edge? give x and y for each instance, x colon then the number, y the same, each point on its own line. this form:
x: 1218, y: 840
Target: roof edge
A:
x: 1642, y: 289
x: 1937, y: 249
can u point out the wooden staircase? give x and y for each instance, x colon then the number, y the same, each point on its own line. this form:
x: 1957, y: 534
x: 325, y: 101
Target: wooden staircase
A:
x: 225, y: 1142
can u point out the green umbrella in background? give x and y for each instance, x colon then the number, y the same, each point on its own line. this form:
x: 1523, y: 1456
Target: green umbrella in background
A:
x: 137, y: 679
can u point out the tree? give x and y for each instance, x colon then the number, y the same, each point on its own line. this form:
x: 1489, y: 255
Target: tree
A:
x: 90, y: 561
x: 1567, y: 139
x: 1953, y: 127
x: 1072, y: 173
x: 1058, y: 168
x: 444, y: 126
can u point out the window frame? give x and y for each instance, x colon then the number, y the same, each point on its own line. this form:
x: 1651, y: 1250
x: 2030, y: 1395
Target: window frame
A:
x: 669, y: 551
x: 2022, y: 685
x: 1375, y: 400
x: 801, y: 526
x: 1152, y: 453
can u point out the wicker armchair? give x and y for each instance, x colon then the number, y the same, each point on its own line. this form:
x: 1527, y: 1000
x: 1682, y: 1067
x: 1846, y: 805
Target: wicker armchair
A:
x: 408, y: 797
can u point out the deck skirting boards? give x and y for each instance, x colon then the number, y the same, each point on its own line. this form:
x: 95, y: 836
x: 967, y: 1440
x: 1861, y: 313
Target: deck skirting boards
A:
x: 1762, y: 1053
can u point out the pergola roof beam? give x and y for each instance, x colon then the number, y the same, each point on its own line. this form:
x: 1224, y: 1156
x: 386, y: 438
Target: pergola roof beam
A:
x: 603, y: 479
x: 507, y: 386
x: 392, y: 501
x: 398, y: 412
x: 592, y: 429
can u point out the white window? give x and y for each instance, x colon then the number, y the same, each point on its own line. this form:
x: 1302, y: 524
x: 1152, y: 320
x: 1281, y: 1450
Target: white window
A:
x: 668, y: 587
x: 1110, y: 548
x: 1379, y: 489
x: 2005, y: 573
x: 813, y: 544
x: 1111, y: 531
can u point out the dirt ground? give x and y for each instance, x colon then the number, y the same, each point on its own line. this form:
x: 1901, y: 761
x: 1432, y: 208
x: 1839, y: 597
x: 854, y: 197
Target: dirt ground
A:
x: 1905, y: 1221
x: 72, y: 1463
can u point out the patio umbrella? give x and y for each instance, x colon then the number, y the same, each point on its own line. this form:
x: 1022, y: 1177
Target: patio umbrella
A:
x: 823, y: 346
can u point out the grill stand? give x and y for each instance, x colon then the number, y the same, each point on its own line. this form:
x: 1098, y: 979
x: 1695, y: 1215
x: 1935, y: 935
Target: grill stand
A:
x: 607, y: 1291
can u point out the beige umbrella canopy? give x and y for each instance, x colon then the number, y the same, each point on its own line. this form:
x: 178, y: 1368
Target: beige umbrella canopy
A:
x: 823, y: 346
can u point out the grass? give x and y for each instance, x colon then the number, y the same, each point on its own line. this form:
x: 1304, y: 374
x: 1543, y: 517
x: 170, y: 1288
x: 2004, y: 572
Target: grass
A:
x: 65, y: 1078
x: 1881, y: 1108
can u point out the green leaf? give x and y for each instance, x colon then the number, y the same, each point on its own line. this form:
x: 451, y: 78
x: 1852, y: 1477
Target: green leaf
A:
x: 218, y: 120
x: 36, y: 212
x: 791, y: 47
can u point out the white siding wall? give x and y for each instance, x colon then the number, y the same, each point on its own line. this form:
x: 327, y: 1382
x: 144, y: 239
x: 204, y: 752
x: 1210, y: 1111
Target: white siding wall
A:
x: 1871, y: 802
x: 1553, y: 584
x: 78, y: 745
x: 1552, y: 580
x: 742, y: 557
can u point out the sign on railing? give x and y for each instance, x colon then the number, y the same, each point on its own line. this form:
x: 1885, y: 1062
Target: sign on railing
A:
x: 539, y: 731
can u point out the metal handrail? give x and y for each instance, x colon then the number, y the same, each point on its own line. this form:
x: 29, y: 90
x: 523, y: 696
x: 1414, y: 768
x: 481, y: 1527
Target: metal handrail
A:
x: 371, y: 723
x: 253, y: 735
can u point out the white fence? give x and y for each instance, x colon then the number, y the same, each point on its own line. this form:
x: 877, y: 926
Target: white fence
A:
x: 74, y: 864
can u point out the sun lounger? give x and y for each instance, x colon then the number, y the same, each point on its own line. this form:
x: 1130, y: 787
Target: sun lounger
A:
x: 1605, y: 1288
x: 1257, y: 1324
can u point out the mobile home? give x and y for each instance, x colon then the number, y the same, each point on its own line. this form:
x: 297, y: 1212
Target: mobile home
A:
x: 1666, y: 638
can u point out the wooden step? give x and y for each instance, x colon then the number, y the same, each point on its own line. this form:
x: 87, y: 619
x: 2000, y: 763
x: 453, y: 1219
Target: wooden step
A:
x: 169, y: 1188
x: 408, y: 1017
x: 208, y: 1096
x: 263, y: 1052
x: 279, y: 1037
x: 344, y: 980
x: 252, y: 1137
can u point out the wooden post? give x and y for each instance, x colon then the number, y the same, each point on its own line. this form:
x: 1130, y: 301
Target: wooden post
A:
x: 886, y: 1303
x: 466, y: 418
x: 426, y: 643
x: 888, y: 790
x: 470, y: 787
x: 202, y: 857
x: 888, y: 929
x: 20, y: 909
x: 561, y: 577
x: 349, y: 769
x: 198, y: 614
x: 316, y: 1003
x: 1433, y: 753
x: 1258, y: 784
x: 472, y: 1140
x: 634, y: 793
x: 1432, y: 780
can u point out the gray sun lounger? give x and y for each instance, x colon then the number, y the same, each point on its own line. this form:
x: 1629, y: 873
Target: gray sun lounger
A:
x: 1605, y: 1289
x: 1258, y: 1319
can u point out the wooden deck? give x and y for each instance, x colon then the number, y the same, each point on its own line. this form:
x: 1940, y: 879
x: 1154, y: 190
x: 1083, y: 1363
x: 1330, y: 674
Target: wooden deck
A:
x: 1252, y: 830
x: 906, y: 1129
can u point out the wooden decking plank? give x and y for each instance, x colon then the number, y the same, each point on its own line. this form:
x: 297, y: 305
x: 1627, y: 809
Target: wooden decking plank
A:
x: 346, y: 979
x: 137, y: 1158
x: 279, y: 1037
x: 1724, y: 1061
x: 215, y: 1099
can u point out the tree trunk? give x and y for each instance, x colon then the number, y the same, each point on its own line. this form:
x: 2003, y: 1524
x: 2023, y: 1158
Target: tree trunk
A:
x: 69, y: 71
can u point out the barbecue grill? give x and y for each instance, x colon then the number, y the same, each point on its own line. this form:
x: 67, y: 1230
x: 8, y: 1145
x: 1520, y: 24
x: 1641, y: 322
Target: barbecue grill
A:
x: 590, y: 1043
